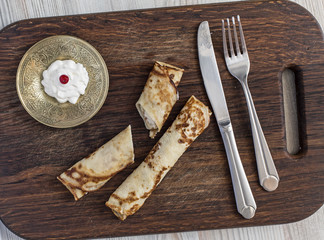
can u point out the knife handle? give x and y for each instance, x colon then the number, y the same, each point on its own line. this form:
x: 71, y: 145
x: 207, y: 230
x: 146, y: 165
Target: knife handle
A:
x: 245, y: 203
x: 268, y: 175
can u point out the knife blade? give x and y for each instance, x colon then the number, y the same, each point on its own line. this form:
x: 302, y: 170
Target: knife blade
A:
x: 245, y: 202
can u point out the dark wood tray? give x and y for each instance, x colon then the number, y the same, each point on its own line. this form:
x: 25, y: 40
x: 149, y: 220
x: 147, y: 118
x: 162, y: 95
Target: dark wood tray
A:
x: 197, y: 193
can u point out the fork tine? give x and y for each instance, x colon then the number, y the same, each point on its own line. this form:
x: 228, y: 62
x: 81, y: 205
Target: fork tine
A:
x: 230, y: 38
x: 224, y: 40
x: 238, y: 51
x: 241, y: 35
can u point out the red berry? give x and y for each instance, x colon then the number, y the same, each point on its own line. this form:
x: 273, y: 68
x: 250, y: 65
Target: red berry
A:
x: 64, y: 79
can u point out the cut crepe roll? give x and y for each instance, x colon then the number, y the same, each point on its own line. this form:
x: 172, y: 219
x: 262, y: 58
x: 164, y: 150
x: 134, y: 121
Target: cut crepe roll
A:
x: 92, y: 172
x: 132, y: 193
x: 159, y: 95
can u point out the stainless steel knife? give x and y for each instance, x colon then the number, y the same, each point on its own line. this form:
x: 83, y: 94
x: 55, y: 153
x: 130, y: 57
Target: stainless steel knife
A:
x: 245, y: 203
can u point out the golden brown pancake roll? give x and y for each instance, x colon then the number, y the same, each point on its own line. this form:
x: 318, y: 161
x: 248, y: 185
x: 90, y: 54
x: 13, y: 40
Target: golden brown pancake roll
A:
x: 132, y: 193
x: 92, y: 172
x: 159, y: 95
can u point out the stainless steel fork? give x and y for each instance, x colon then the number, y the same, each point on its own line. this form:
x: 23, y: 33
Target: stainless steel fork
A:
x: 238, y: 64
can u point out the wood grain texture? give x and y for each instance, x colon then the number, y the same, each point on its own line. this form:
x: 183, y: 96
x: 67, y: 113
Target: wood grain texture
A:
x: 140, y: 76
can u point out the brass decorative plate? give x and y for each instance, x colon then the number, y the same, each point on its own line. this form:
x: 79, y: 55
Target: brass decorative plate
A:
x: 48, y: 110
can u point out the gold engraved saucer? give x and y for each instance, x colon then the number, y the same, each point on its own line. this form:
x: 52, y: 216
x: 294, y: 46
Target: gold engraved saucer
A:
x: 48, y: 110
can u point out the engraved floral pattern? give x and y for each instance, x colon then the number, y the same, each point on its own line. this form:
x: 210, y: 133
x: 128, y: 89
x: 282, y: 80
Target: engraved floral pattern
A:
x: 46, y: 109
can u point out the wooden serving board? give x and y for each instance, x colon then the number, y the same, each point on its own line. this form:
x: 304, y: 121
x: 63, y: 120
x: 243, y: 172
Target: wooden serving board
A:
x: 197, y: 193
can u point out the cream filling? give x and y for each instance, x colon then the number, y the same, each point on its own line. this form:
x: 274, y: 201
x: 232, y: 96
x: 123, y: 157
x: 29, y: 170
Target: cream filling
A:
x: 148, y: 121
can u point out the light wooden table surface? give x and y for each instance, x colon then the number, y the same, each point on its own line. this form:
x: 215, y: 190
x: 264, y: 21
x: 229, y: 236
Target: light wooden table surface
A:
x: 311, y: 228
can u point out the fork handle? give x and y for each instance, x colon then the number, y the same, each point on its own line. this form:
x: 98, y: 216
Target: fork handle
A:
x: 245, y: 203
x: 268, y: 175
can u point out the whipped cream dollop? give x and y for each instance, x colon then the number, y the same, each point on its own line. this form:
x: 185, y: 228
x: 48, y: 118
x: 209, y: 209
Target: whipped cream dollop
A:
x: 65, y: 80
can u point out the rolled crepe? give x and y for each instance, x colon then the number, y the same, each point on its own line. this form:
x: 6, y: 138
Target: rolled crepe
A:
x: 159, y: 95
x: 132, y: 193
x: 92, y: 172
